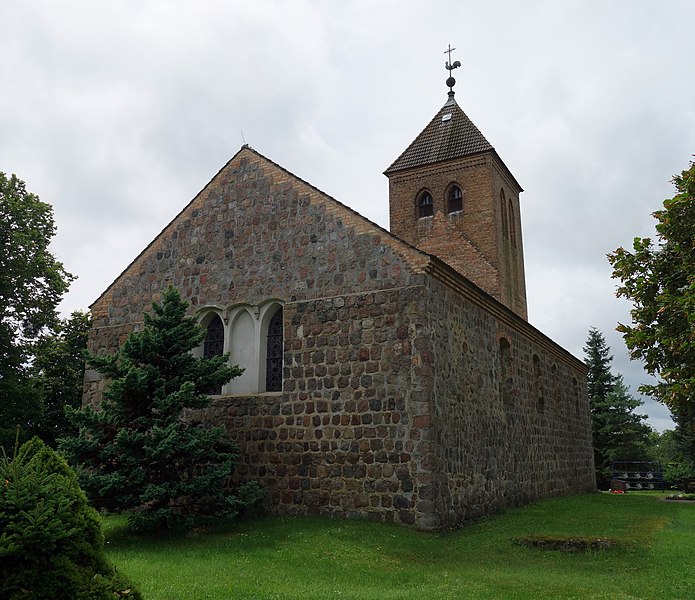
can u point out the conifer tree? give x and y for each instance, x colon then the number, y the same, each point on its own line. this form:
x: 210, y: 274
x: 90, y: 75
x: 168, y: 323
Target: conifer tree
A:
x: 599, y: 379
x: 143, y: 450
x: 51, y: 544
x: 618, y: 432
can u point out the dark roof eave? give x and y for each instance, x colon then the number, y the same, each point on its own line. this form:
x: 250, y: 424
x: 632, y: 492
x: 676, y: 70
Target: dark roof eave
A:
x: 491, y: 151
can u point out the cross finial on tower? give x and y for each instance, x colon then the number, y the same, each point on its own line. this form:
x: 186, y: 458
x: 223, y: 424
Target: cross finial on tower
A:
x: 450, y: 67
x: 448, y: 51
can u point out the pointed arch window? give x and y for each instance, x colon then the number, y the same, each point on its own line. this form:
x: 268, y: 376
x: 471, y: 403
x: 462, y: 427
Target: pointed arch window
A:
x: 454, y: 199
x: 214, y: 338
x: 213, y: 345
x: 273, y: 367
x: 424, y: 205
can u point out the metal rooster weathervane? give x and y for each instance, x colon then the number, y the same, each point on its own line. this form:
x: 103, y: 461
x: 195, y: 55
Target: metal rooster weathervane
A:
x: 450, y: 67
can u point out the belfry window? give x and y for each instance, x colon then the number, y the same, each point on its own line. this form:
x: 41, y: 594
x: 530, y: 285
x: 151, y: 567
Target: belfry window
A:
x: 213, y: 345
x: 424, y: 205
x: 273, y: 365
x: 455, y: 199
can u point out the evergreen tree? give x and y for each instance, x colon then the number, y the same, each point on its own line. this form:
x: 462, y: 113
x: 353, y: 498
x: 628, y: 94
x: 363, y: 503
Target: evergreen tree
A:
x: 144, y: 450
x: 618, y: 433
x: 51, y: 544
x: 597, y: 356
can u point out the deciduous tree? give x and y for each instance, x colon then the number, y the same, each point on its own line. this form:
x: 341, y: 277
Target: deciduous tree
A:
x: 659, y: 279
x: 668, y: 449
x: 32, y: 282
x: 57, y: 373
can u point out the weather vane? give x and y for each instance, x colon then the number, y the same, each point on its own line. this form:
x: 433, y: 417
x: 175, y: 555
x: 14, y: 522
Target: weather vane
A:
x: 450, y: 67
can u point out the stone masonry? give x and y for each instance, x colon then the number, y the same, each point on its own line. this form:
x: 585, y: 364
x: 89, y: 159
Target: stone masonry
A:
x: 409, y: 394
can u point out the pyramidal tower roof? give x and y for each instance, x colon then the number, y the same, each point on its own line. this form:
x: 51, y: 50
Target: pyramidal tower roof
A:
x: 449, y: 135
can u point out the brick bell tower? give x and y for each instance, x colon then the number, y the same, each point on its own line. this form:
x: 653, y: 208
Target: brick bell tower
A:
x: 451, y: 195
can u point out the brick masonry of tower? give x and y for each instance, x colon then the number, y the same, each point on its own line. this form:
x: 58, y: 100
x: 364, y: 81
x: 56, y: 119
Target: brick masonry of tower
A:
x: 471, y: 241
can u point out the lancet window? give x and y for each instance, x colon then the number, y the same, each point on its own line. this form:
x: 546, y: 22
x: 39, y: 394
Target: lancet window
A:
x: 213, y: 345
x: 273, y: 365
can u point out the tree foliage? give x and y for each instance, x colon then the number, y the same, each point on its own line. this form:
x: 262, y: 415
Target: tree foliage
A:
x: 668, y: 449
x: 618, y: 432
x: 57, y: 373
x: 144, y: 450
x: 51, y: 544
x: 20, y: 402
x: 32, y: 283
x: 659, y: 280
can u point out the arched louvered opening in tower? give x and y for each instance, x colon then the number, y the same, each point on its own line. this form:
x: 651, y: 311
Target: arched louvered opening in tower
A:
x: 425, y: 207
x: 454, y: 199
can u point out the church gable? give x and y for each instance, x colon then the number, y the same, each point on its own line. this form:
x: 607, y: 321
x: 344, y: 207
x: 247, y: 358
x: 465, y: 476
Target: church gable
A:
x: 254, y: 233
x: 257, y: 244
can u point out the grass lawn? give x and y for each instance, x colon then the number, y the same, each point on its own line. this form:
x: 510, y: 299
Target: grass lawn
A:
x: 653, y: 556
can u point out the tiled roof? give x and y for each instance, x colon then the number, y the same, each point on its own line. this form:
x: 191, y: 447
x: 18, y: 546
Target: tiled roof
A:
x: 446, y: 137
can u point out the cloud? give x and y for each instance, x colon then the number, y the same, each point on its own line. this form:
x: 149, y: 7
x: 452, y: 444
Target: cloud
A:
x: 118, y: 114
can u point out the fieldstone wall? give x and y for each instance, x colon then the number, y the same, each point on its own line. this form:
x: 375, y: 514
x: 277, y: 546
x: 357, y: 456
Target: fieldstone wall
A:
x: 509, y: 420
x: 341, y: 439
x: 417, y: 406
x: 255, y: 233
x: 396, y: 404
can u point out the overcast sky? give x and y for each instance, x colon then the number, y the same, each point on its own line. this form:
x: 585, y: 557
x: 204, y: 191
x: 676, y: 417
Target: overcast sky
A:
x: 117, y: 113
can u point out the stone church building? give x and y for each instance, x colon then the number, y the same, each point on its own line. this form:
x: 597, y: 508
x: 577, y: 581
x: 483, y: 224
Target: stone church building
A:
x: 389, y: 375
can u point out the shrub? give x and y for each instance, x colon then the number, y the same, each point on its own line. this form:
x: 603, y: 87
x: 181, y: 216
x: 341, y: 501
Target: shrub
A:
x: 51, y: 544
